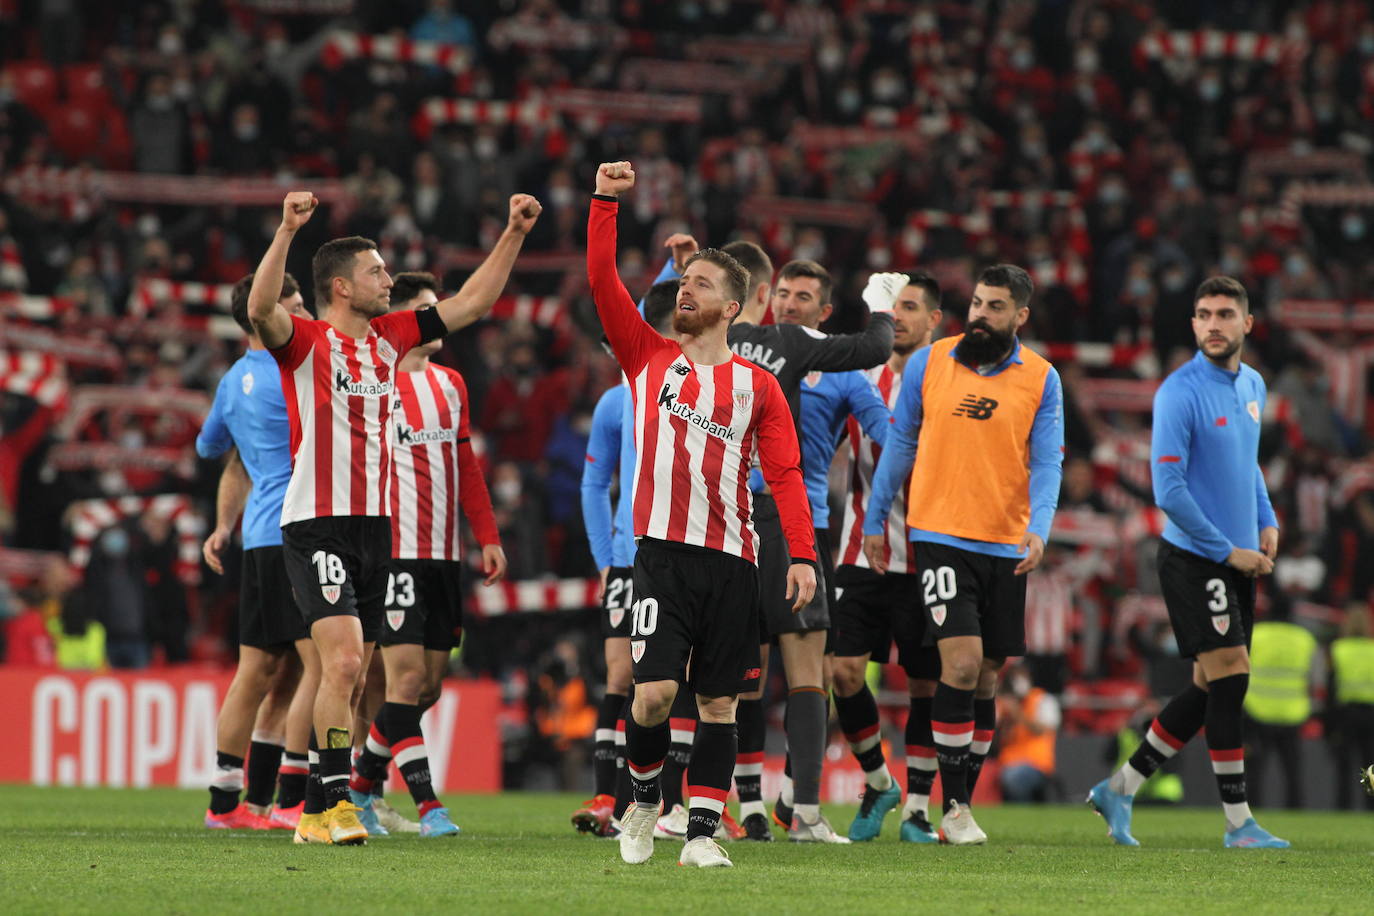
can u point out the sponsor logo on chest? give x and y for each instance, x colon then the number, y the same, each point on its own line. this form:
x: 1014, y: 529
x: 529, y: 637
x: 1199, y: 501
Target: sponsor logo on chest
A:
x: 668, y: 401
x: 975, y: 407
x: 344, y: 383
x: 408, y: 435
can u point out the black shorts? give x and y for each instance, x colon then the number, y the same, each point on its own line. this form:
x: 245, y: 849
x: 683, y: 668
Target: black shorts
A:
x: 268, y: 616
x: 774, y: 559
x: 698, y: 604
x: 423, y: 604
x: 873, y: 611
x: 615, y: 604
x: 337, y: 566
x: 965, y: 593
x: 1211, y: 605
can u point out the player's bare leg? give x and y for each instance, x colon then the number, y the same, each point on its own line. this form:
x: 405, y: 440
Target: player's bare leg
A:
x: 233, y: 731
x: 269, y: 736
x: 343, y: 660
x: 808, y: 708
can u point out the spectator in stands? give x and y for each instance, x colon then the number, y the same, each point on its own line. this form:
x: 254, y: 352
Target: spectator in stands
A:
x: 1027, y: 724
x: 1080, y: 490
x: 1279, y: 701
x: 115, y: 584
x: 167, y: 615
x: 160, y: 129
x: 1350, y: 699
x: 440, y: 23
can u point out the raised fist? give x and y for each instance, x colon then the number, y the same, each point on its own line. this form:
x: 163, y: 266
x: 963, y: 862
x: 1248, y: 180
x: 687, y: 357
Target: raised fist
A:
x: 883, y: 289
x: 613, y: 178
x: 524, y: 211
x: 297, y: 209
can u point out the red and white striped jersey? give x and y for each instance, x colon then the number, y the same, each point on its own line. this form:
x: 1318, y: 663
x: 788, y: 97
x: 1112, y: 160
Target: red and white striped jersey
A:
x: 338, y: 394
x: 433, y: 468
x: 1049, y: 609
x: 863, y: 458
x: 698, y: 429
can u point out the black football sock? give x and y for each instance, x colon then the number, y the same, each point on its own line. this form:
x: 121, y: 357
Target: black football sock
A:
x: 858, y: 715
x: 921, y: 765
x: 369, y: 771
x: 228, y: 783
x: 984, y: 727
x: 1225, y: 744
x: 1175, y: 725
x: 295, y: 768
x: 807, y: 709
x: 646, y: 747
x: 409, y: 752
x: 951, y: 722
x: 682, y: 730
x: 264, y: 757
x: 314, y: 791
x: 603, y: 751
x: 336, y: 762
x: 751, y: 731
x: 708, y: 776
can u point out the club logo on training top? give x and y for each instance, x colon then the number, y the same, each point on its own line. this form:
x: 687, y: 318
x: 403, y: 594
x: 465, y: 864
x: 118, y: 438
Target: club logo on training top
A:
x: 812, y: 379
x: 247, y: 383
x: 975, y: 408
x: 331, y: 593
x: 1253, y: 409
x: 395, y: 619
x: 617, y: 614
x: 1221, y: 623
x: 637, y: 649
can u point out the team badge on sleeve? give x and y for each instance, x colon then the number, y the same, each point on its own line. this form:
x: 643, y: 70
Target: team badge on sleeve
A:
x: 1253, y: 408
x: 387, y: 351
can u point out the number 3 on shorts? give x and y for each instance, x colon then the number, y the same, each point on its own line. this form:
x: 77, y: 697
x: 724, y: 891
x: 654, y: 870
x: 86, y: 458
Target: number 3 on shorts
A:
x: 644, y: 617
x: 939, y: 584
x: 1219, y: 602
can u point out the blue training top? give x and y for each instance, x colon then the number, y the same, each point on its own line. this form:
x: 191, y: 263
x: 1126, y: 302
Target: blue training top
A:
x: 827, y: 400
x: 250, y: 412
x: 1204, y: 454
x: 899, y: 454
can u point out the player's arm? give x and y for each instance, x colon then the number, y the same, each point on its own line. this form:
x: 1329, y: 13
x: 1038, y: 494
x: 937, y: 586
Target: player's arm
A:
x: 869, y: 347
x: 780, y: 460
x: 272, y: 322
x: 894, y: 465
x: 232, y: 496
x: 631, y: 338
x: 474, y: 300
x: 214, y: 438
x: 867, y: 406
x: 474, y: 499
x: 1268, y: 521
x: 1046, y: 471
x: 603, y: 453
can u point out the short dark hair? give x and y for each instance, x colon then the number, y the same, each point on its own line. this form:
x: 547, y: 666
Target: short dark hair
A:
x: 1223, y: 286
x: 736, y: 277
x: 805, y: 268
x: 238, y: 299
x: 755, y: 260
x: 1010, y: 277
x: 335, y: 259
x: 406, y: 285
x: 659, y: 303
x: 928, y: 285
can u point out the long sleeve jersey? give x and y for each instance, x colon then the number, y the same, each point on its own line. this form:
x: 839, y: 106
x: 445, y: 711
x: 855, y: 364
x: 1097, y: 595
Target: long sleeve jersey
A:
x: 827, y: 400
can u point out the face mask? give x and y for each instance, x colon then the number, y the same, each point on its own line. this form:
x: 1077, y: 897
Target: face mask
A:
x: 1138, y: 287
x: 1021, y: 60
x: 1174, y: 281
x: 1367, y: 45
x: 887, y: 90
x: 562, y: 196
x: 1095, y: 142
x: 1210, y: 90
x: 1111, y: 193
x: 830, y: 58
x: 1295, y: 264
x: 1180, y: 180
x: 115, y: 542
x: 247, y: 131
x: 1086, y: 61
x: 169, y: 43
x: 1020, y: 685
x: 1232, y: 266
x: 485, y: 147
x: 506, y: 491
x: 161, y: 102
x: 848, y: 100
x: 1352, y: 227
x: 879, y: 257
x: 6, y: 96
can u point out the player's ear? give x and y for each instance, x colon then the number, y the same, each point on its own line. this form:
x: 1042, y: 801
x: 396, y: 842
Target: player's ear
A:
x: 936, y: 316
x: 1022, y: 315
x: 827, y: 310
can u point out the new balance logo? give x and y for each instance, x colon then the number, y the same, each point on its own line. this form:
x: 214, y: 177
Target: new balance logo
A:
x: 975, y: 408
x: 360, y: 389
x: 681, y: 369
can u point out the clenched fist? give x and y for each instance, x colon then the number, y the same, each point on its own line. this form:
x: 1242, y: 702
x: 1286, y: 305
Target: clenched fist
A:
x: 297, y: 209
x: 613, y: 178
x: 524, y: 212
x: 883, y: 289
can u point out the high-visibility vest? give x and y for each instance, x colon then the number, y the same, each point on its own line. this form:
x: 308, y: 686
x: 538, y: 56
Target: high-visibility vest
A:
x: 1352, y: 661
x: 1280, y: 662
x: 1024, y: 746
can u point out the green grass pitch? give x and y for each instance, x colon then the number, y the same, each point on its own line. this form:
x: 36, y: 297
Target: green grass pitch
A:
x: 144, y: 851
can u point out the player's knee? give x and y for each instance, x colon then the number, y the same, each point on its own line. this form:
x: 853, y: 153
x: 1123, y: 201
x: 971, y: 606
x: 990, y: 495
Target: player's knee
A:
x: 406, y: 686
x: 962, y: 671
x: 345, y: 669
x: 653, y: 701
x: 920, y: 689
x: 849, y: 675
x: 618, y: 679
x: 716, y: 709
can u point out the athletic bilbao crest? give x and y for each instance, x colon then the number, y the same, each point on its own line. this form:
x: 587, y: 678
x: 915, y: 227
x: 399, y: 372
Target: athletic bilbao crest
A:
x: 247, y: 383
x: 1253, y: 408
x: 331, y: 593
x: 386, y: 351
x: 812, y: 379
x: 636, y: 649
x: 938, y: 613
x: 744, y: 400
x: 617, y: 615
x: 395, y: 619
x: 1221, y: 623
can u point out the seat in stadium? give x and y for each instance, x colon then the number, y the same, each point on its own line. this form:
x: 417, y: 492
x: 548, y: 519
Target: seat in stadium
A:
x: 35, y: 84
x: 85, y: 83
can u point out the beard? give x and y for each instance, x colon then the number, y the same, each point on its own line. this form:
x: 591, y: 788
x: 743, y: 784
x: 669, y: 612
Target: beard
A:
x: 695, y: 322
x: 373, y: 308
x: 1222, y: 355
x: 976, y: 350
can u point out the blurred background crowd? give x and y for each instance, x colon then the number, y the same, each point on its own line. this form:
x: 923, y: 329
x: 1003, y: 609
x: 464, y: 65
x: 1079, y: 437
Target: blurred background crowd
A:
x: 1119, y: 150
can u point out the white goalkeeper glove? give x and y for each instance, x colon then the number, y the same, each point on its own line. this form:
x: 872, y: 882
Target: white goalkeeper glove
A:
x: 882, y: 290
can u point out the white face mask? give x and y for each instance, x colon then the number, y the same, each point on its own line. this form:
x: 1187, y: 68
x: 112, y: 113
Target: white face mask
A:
x: 506, y: 491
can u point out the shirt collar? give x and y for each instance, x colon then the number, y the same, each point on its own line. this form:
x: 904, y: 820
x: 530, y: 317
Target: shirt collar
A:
x: 1215, y: 371
x: 1014, y: 357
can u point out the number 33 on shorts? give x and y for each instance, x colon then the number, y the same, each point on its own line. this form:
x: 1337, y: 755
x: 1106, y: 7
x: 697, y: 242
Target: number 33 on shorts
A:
x: 643, y: 622
x: 938, y: 586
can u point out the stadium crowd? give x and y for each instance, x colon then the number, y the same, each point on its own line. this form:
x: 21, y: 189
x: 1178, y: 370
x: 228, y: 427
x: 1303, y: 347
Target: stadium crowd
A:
x: 1120, y: 150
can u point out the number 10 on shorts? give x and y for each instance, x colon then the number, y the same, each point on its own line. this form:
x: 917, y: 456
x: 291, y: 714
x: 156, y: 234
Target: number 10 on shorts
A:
x: 643, y: 622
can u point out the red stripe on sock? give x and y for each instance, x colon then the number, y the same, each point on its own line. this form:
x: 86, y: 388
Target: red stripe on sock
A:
x: 749, y: 757
x: 916, y: 750
x: 982, y: 734
x: 644, y: 769
x: 620, y: 725
x: 708, y: 792
x: 377, y: 736
x: 1227, y: 756
x: 427, y: 806
x: 952, y: 728
x: 1164, y: 736
x: 293, y: 771
x: 405, y: 744
x: 683, y: 725
x: 863, y: 733
x: 359, y: 784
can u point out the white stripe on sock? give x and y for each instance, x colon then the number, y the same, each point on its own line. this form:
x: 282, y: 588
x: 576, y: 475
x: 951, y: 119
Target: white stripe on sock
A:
x: 329, y: 779
x: 228, y: 779
x: 963, y: 739
x: 605, y: 734
x: 858, y: 747
x: 312, y: 757
x: 649, y: 776
x: 979, y: 747
x: 748, y: 769
x: 1159, y: 744
x: 709, y: 804
x: 619, y: 738
x: 1228, y: 767
x: 681, y: 735
x: 924, y: 764
x: 411, y: 754
x: 380, y: 750
x: 1237, y: 814
x: 268, y: 738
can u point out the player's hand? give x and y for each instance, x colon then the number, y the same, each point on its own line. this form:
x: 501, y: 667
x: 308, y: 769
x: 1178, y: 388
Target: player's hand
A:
x: 1269, y: 542
x: 493, y: 564
x: 875, y: 548
x: 213, y: 548
x: 601, y: 589
x: 1034, y: 549
x: 801, y: 580
x: 883, y: 289
x: 614, y: 178
x: 1249, y: 562
x: 297, y: 209
x: 524, y: 212
x: 683, y: 246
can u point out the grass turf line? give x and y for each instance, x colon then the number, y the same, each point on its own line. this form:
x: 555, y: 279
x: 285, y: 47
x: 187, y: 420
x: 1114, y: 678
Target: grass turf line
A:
x: 121, y: 851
